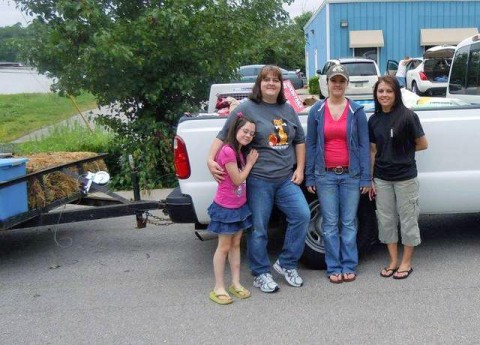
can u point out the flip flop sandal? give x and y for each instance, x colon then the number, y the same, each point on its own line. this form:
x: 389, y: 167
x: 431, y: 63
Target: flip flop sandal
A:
x: 241, y: 292
x: 404, y: 276
x: 350, y: 274
x: 390, y: 272
x: 220, y: 298
x: 338, y: 278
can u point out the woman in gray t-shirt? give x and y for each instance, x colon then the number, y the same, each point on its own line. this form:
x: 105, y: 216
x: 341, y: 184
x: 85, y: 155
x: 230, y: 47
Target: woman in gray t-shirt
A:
x: 274, y: 179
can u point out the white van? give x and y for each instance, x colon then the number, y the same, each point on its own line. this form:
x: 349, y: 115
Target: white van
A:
x: 464, y: 77
x: 363, y: 74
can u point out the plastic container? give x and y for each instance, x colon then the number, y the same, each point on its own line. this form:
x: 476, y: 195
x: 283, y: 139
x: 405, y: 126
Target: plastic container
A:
x: 13, y: 199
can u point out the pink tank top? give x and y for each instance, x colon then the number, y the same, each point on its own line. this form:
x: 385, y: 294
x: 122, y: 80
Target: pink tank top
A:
x: 336, y: 148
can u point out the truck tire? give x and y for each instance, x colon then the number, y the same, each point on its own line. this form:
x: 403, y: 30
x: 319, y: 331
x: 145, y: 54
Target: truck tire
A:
x: 314, y: 253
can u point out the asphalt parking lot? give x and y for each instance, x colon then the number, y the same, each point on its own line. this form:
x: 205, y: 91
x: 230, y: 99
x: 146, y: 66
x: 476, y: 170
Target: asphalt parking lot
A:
x: 104, y: 282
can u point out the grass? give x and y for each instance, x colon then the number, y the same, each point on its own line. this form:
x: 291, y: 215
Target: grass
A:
x: 21, y: 114
x: 71, y: 138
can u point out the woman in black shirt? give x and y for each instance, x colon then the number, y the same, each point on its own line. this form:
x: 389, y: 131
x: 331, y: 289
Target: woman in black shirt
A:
x: 395, y: 135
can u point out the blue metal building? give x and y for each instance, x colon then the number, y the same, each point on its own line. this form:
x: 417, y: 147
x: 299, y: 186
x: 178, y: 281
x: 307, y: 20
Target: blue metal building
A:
x: 385, y: 30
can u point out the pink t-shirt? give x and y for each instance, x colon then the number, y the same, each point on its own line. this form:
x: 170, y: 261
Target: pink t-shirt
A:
x: 228, y: 194
x: 336, y: 148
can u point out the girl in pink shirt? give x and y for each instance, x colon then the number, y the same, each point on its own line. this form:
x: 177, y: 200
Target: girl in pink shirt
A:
x: 229, y: 212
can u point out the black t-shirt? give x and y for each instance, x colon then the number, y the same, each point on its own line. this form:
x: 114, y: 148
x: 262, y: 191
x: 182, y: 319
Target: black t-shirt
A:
x: 390, y: 165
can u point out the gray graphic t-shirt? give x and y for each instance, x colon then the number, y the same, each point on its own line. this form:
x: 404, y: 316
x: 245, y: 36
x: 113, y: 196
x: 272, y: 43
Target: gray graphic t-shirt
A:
x: 277, y: 132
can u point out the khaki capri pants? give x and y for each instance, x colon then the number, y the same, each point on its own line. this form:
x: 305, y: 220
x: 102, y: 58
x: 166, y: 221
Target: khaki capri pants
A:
x: 398, y: 201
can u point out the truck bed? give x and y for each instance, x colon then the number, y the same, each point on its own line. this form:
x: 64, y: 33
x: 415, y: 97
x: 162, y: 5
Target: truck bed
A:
x: 449, y: 171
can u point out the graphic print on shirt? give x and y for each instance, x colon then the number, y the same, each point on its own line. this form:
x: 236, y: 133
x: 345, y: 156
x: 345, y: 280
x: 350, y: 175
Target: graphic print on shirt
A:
x: 279, y: 139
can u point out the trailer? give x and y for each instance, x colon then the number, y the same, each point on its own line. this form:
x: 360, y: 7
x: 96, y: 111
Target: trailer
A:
x: 109, y: 206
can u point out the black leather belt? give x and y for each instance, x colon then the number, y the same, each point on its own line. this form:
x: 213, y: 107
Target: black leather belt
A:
x: 338, y: 170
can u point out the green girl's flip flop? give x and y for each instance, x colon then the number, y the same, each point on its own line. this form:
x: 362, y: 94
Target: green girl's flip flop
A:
x: 220, y: 298
x: 241, y: 292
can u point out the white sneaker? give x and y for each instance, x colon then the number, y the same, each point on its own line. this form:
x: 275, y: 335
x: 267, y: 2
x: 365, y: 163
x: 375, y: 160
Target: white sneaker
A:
x: 291, y: 275
x: 265, y: 282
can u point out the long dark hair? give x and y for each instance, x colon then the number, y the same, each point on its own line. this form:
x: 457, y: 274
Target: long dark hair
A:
x: 256, y: 94
x: 231, y: 138
x: 402, y: 126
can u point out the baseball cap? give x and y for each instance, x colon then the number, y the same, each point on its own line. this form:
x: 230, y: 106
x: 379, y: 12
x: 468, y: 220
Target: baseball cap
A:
x: 337, y: 69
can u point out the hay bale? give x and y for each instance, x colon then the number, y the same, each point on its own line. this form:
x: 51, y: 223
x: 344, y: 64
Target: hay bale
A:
x: 56, y: 185
x: 36, y: 196
x: 39, y: 161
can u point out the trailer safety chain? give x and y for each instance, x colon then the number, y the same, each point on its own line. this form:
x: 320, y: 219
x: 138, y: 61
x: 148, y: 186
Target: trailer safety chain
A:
x: 156, y: 220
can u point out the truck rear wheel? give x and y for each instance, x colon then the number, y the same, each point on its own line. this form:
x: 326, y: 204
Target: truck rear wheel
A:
x: 314, y: 253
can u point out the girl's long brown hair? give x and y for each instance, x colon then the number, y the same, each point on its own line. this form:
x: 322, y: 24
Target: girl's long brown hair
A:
x: 231, y: 138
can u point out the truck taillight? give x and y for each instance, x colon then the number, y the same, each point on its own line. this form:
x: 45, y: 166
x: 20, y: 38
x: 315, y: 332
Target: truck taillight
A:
x: 423, y: 76
x: 180, y: 158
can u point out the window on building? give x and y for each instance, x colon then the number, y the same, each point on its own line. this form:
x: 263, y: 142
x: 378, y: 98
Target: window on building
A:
x: 367, y: 53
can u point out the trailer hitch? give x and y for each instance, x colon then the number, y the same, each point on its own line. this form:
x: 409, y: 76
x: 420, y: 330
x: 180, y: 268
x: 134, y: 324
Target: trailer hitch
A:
x: 206, y: 236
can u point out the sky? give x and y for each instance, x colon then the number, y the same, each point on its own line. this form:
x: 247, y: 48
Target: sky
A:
x: 301, y: 6
x: 9, y: 15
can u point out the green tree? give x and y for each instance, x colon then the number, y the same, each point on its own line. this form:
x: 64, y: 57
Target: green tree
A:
x: 152, y: 60
x: 10, y: 39
x: 282, y: 44
x: 302, y: 19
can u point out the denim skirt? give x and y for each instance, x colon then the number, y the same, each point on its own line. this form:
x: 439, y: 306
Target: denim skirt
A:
x: 226, y: 221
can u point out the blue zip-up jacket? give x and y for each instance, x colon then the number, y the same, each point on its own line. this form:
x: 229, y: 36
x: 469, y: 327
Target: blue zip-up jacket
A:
x: 358, y: 144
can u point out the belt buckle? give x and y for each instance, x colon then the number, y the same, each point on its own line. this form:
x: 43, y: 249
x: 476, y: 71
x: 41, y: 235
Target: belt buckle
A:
x: 338, y: 170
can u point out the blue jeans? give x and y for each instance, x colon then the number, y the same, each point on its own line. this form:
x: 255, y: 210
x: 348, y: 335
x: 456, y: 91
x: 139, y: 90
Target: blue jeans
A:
x: 339, y: 196
x: 262, y: 195
x: 402, y: 81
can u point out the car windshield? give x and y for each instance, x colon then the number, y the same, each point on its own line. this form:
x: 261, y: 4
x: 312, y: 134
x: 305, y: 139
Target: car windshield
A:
x: 360, y: 68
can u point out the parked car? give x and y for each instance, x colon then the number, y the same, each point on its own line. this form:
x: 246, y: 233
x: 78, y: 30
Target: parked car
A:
x: 363, y: 73
x: 428, y: 76
x: 249, y: 73
x: 464, y: 77
x: 392, y: 65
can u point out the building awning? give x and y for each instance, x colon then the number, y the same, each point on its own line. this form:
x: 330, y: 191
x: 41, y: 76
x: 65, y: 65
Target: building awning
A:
x: 366, y: 38
x: 435, y: 37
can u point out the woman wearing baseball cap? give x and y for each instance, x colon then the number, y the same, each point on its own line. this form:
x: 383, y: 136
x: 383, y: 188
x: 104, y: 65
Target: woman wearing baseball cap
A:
x: 338, y: 171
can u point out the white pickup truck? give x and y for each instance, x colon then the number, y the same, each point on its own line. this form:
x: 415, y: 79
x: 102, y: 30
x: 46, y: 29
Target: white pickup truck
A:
x: 449, y: 171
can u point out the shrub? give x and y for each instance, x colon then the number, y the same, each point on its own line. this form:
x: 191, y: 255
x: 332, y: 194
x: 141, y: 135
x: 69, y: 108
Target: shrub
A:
x: 150, y: 145
x: 313, y: 86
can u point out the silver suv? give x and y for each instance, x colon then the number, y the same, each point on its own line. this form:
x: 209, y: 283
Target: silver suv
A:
x: 363, y: 74
x: 249, y: 74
